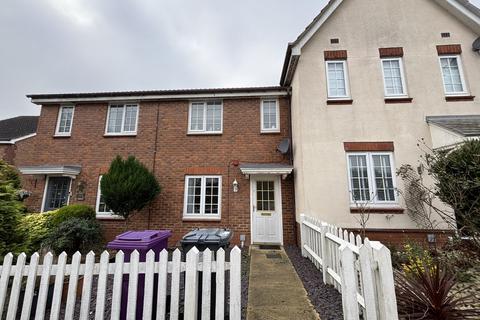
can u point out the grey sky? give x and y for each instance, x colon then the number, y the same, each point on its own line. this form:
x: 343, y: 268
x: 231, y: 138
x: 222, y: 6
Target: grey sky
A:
x: 54, y: 46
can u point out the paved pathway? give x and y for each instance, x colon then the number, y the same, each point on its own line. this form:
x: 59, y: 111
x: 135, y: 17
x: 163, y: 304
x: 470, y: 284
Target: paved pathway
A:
x: 275, y: 291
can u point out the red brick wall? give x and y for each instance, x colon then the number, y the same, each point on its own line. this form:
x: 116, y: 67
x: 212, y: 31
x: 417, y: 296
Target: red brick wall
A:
x: 177, y: 154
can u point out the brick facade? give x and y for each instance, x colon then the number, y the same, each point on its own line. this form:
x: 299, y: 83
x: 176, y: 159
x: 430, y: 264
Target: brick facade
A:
x: 7, y: 153
x: 175, y: 155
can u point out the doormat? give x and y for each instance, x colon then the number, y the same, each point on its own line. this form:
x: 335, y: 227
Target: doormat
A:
x: 273, y: 256
x: 268, y: 247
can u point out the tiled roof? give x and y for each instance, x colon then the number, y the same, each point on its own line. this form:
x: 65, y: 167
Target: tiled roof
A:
x: 17, y: 127
x: 465, y: 125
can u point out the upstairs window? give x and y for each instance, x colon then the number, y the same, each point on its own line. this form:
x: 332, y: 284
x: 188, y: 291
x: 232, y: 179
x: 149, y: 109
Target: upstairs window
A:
x: 452, y: 73
x: 270, y: 116
x: 371, y: 178
x: 65, y: 121
x: 122, y: 119
x: 206, y: 117
x: 337, y: 79
x: 393, y: 77
x: 203, y: 197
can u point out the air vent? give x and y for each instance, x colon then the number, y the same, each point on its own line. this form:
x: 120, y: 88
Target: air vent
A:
x: 445, y: 34
x: 334, y: 41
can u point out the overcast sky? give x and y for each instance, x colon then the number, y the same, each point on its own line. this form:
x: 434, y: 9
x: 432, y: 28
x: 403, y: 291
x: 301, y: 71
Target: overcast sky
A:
x: 55, y: 46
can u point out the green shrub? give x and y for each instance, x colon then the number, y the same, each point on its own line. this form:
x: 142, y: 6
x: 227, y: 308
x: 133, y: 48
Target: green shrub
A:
x: 35, y: 229
x: 69, y: 212
x: 75, y: 234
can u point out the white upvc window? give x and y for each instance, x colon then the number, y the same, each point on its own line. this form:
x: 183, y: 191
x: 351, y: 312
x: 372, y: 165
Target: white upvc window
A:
x: 337, y: 79
x: 203, y: 197
x: 122, y: 119
x: 205, y: 117
x: 101, y: 208
x: 270, y: 116
x: 65, y: 121
x: 393, y: 77
x: 452, y: 74
x: 371, y: 178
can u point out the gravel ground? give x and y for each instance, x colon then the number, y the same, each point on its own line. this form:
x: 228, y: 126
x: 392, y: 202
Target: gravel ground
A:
x: 326, y: 300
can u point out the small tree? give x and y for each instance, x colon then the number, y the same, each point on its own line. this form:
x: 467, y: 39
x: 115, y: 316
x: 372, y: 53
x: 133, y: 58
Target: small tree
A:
x: 128, y: 186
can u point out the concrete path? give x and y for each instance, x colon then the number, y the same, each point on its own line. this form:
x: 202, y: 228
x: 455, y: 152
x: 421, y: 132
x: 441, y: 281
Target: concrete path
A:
x: 275, y: 291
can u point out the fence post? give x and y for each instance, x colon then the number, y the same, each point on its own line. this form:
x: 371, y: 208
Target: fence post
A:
x: 349, y: 283
x: 325, y: 252
x: 191, y: 284
x: 385, y: 282
x: 235, y: 284
x: 302, y: 235
x: 368, y: 285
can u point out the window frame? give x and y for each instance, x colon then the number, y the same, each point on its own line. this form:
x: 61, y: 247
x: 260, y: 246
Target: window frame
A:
x: 59, y: 119
x: 262, y: 123
x: 345, y: 75
x: 402, y: 75
x: 122, y: 131
x: 460, y: 70
x: 45, y: 190
x: 204, y: 130
x: 202, y: 215
x: 373, y: 202
x: 101, y: 214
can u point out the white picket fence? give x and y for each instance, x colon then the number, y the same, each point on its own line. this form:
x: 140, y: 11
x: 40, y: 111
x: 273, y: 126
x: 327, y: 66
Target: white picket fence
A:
x: 360, y: 270
x: 13, y: 277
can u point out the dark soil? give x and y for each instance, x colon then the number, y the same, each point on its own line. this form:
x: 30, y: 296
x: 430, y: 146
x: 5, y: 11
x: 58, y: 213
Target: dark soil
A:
x: 326, y: 300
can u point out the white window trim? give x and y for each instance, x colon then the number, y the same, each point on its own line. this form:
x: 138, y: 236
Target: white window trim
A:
x: 202, y: 215
x: 402, y: 75
x: 462, y: 75
x: 100, y: 214
x: 47, y: 181
x: 204, y: 131
x: 371, y: 180
x: 269, y: 130
x: 122, y: 132
x: 347, y: 82
x: 59, y: 118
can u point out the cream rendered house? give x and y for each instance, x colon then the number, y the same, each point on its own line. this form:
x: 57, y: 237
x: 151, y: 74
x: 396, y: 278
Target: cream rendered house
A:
x: 369, y: 78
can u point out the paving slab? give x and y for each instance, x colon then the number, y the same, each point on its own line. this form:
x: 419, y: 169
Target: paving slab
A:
x: 275, y: 291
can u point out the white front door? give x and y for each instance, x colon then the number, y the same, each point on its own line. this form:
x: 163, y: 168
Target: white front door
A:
x: 266, y: 207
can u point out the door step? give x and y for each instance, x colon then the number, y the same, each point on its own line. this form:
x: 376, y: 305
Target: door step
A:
x: 269, y: 247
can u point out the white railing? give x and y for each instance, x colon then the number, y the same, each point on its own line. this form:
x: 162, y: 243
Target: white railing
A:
x: 360, y: 270
x: 23, y: 278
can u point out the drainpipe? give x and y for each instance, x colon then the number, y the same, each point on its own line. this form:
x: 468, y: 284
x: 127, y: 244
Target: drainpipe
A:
x: 154, y: 160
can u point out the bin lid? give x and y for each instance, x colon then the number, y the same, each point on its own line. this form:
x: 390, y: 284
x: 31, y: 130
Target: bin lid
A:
x: 142, y: 240
x: 208, y: 236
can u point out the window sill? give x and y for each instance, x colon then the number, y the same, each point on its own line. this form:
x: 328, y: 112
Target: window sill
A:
x: 106, y: 217
x: 119, y: 135
x: 340, y: 102
x: 201, y: 219
x: 459, y: 98
x: 204, y: 133
x: 270, y: 132
x: 60, y: 136
x: 398, y: 100
x: 385, y: 210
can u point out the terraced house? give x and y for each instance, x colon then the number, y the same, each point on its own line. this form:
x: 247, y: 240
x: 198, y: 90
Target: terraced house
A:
x: 360, y: 86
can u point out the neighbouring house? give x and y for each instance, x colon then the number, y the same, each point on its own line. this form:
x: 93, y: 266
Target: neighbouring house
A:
x: 200, y: 144
x: 13, y: 132
x: 360, y: 86
x: 369, y: 80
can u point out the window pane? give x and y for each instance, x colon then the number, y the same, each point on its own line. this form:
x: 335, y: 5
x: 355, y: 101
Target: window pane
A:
x: 65, y: 124
x: 359, y: 177
x: 196, y: 116
x: 57, y: 192
x: 336, y: 79
x: 115, y: 118
x: 451, y: 75
x: 194, y: 191
x: 130, y: 124
x: 214, y: 116
x: 269, y: 110
x: 265, y: 195
x: 383, y: 178
x: 392, y: 77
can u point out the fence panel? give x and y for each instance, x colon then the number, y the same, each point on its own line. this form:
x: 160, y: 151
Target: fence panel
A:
x: 361, y: 270
x: 46, y: 299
